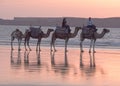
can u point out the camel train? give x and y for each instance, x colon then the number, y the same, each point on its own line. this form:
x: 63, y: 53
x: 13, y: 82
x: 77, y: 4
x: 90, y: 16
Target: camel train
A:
x: 38, y: 34
x: 32, y: 32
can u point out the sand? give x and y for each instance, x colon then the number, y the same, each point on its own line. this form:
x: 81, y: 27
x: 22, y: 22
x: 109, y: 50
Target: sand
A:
x: 59, y: 69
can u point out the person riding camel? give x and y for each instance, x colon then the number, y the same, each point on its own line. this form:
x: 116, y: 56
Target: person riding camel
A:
x: 66, y: 26
x: 90, y: 24
x: 91, y: 28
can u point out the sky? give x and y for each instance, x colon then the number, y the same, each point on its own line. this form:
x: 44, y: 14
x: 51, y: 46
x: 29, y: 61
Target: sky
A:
x: 59, y: 8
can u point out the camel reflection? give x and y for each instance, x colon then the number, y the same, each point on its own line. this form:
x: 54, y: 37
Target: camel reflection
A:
x: 32, y: 65
x: 88, y: 70
x: 26, y: 57
x: 15, y: 59
x: 62, y: 68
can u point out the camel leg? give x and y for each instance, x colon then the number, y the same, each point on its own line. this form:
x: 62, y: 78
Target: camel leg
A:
x: 12, y: 39
x: 28, y: 44
x: 25, y: 44
x: 81, y: 46
x: 94, y: 46
x: 66, y: 41
x: 19, y: 43
x: 12, y: 45
x: 27, y: 41
x: 53, y: 44
x: 38, y: 45
x: 90, y: 46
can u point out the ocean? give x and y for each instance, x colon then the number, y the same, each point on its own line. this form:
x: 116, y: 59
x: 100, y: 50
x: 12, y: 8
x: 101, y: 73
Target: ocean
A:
x: 110, y: 40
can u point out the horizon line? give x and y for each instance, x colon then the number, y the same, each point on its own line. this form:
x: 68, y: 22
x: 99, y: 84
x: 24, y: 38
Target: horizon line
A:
x: 58, y: 17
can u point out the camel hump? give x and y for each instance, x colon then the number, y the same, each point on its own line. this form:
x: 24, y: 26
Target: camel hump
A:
x: 85, y: 30
x: 35, y: 31
x: 60, y: 29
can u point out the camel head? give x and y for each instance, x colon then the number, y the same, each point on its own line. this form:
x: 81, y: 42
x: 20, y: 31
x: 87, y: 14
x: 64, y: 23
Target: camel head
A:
x: 106, y: 30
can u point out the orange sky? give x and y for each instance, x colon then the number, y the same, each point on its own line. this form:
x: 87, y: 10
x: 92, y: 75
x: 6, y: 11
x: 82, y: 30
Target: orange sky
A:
x: 59, y: 8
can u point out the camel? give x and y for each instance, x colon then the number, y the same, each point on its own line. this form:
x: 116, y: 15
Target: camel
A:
x: 63, y: 35
x: 17, y: 34
x: 92, y: 38
x: 39, y: 37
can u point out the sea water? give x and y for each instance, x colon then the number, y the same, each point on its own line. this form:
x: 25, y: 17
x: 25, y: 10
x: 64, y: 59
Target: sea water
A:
x: 110, y: 40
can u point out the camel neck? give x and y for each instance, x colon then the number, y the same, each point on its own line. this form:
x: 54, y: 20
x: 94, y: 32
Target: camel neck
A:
x: 100, y: 35
x: 47, y: 34
x: 72, y: 35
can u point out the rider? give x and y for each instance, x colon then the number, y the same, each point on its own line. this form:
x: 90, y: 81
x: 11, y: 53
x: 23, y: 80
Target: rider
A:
x: 91, y: 28
x: 90, y: 24
x: 65, y: 25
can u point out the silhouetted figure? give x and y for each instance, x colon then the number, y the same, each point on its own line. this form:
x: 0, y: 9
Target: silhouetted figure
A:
x: 90, y: 24
x: 64, y: 23
x: 66, y: 26
x: 17, y: 34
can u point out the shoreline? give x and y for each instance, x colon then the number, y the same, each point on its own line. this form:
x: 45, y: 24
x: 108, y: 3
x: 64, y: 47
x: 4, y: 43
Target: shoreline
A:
x: 60, y: 47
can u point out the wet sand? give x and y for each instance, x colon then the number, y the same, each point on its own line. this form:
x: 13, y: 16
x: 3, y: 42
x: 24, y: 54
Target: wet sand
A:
x: 47, y: 68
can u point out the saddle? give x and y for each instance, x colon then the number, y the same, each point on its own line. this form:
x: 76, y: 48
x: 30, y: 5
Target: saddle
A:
x: 35, y: 31
x: 88, y: 32
x: 61, y: 30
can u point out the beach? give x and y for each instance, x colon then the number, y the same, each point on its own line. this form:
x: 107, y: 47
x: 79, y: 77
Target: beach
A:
x: 45, y: 68
x: 72, y: 68
x: 68, y: 26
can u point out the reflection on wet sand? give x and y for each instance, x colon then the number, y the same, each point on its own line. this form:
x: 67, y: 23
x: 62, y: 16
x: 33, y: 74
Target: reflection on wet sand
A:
x: 63, y: 64
x: 62, y: 68
x: 88, y: 70
x: 32, y: 66
x: 26, y: 57
x: 91, y: 57
x: 16, y: 59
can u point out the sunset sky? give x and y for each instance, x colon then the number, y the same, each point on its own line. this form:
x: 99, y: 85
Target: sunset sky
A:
x: 59, y: 8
